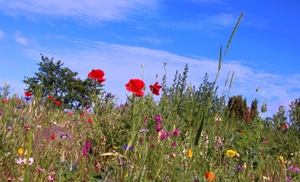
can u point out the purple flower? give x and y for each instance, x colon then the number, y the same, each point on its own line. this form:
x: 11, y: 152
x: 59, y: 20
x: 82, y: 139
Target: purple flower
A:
x: 158, y: 119
x: 108, y: 96
x: 240, y: 167
x: 164, y: 135
x: 126, y: 147
x: 294, y: 168
x: 64, y: 136
x: 27, y: 98
x: 176, y: 132
x: 158, y: 128
x: 173, y: 144
x: 88, y: 145
x: 144, y: 130
x: 19, y: 107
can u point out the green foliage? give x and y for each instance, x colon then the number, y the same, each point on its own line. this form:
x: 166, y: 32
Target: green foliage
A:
x: 5, y: 90
x: 237, y: 107
x: 58, y: 81
x: 254, y: 110
x: 280, y: 117
x: 294, y: 112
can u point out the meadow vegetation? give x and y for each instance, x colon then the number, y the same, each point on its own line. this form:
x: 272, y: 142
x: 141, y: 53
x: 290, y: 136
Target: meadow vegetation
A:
x: 190, y: 134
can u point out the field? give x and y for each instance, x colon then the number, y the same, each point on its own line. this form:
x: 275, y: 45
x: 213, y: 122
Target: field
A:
x: 186, y: 136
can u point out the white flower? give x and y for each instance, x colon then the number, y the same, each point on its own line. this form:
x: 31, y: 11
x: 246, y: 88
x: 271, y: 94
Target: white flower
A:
x: 20, y: 161
x: 30, y: 161
x: 23, y: 161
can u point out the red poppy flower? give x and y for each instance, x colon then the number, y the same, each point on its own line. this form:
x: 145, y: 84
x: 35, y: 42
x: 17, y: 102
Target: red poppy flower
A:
x: 58, y: 103
x: 18, y: 101
x: 285, y: 126
x: 50, y: 97
x: 52, y: 137
x: 27, y: 94
x: 97, y: 75
x: 155, y: 88
x: 136, y: 86
x: 5, y: 101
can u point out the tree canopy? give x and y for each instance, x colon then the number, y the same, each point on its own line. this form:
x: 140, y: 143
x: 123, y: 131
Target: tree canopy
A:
x: 53, y: 79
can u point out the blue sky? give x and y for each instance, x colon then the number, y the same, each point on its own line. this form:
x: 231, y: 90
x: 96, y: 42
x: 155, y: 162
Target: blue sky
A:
x: 119, y: 36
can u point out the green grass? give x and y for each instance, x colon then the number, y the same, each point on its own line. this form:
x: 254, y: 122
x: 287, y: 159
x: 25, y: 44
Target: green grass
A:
x: 258, y: 144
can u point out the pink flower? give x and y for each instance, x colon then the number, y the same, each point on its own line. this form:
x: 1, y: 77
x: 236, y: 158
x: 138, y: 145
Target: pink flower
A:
x: 173, y: 144
x: 27, y: 127
x: 176, y: 132
x: 164, y: 135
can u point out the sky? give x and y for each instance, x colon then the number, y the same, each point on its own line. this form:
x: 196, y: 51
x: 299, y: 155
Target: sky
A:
x: 119, y: 36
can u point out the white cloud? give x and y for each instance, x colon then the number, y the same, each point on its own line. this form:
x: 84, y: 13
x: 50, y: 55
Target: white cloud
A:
x: 20, y: 39
x: 87, y: 11
x: 203, y: 22
x: 121, y: 63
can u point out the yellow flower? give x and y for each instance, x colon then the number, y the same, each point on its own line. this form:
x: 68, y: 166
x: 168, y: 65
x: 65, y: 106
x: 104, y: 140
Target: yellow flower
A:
x: 245, y: 165
x: 190, y: 153
x: 231, y: 153
x: 281, y: 159
x: 20, y: 151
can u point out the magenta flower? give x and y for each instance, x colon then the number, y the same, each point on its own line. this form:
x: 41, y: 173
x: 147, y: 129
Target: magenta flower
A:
x: 176, y: 132
x: 84, y: 151
x: 88, y: 145
x: 173, y: 144
x: 164, y: 135
x: 158, y: 128
x: 158, y: 119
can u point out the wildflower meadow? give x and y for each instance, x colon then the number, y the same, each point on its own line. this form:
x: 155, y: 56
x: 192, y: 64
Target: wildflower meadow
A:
x: 187, y: 135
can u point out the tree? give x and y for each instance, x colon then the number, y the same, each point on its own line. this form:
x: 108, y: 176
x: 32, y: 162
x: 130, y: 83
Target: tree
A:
x: 60, y: 82
x: 237, y: 107
x: 279, y: 119
x: 254, y: 112
x: 294, y: 112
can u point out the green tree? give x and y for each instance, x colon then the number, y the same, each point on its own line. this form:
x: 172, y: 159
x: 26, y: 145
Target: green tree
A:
x: 294, y: 112
x: 279, y: 118
x: 254, y: 111
x: 61, y: 83
x: 237, y: 107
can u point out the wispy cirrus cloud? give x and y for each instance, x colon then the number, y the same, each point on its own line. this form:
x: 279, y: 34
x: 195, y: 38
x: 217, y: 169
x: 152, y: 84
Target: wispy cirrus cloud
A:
x: 203, y: 22
x: 86, y: 11
x: 121, y: 63
x: 20, y: 39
